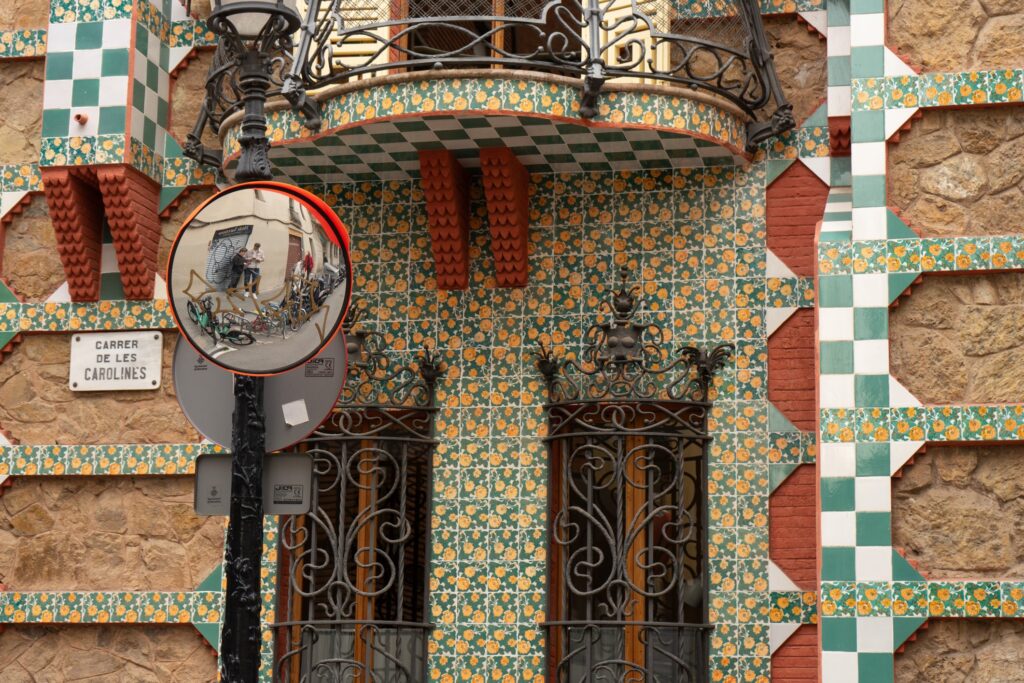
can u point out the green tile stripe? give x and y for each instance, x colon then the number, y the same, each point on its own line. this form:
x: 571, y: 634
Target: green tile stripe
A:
x: 103, y: 459
x: 793, y: 607
x: 947, y: 89
x: 789, y: 292
x: 20, y: 178
x: 948, y: 599
x: 933, y: 423
x: 268, y: 591
x: 808, y: 141
x: 114, y: 607
x: 922, y: 255
x: 85, y: 317
x: 22, y: 43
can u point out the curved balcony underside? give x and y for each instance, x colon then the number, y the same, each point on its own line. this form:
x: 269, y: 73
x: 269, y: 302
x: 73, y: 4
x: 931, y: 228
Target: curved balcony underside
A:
x: 375, y: 129
x: 713, y: 46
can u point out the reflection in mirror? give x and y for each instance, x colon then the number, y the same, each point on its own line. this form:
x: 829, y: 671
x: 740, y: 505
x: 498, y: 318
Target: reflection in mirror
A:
x: 258, y: 280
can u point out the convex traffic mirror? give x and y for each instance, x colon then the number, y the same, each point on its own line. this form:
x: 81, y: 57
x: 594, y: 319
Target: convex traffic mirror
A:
x: 259, y: 278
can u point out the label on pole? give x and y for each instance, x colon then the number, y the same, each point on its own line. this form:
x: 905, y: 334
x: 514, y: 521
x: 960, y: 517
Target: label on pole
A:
x: 287, y: 484
x: 115, y: 361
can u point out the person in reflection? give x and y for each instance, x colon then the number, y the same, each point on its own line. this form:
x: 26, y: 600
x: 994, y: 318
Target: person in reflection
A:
x: 253, y: 258
x: 307, y: 264
x: 237, y: 268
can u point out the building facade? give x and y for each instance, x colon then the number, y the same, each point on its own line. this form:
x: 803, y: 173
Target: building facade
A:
x: 634, y: 395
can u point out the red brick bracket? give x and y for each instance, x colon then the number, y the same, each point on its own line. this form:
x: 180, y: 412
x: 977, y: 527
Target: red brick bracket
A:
x: 444, y: 187
x: 132, y: 200
x: 76, y: 210
x: 507, y: 189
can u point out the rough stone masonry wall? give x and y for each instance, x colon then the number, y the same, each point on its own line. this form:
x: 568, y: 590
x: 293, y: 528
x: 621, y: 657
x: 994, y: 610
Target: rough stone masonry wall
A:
x: 957, y: 35
x: 38, y: 407
x: 960, y: 340
x: 83, y: 533
x: 959, y: 512
x: 800, y: 62
x: 31, y: 263
x: 24, y: 14
x: 958, y: 651
x: 110, y: 533
x: 960, y: 172
x: 21, y: 101
x: 105, y: 654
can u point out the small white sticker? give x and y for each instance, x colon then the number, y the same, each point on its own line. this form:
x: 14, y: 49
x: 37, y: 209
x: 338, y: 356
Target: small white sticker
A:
x: 295, y: 413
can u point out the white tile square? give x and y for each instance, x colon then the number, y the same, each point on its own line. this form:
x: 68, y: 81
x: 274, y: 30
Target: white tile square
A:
x: 870, y: 223
x: 874, y: 634
x: 839, y: 529
x: 114, y: 91
x: 894, y: 66
x: 839, y: 667
x: 108, y: 258
x: 867, y: 30
x: 57, y: 94
x: 871, y: 357
x: 873, y: 494
x: 867, y: 158
x: 150, y: 101
x: 117, y: 33
x: 61, y: 37
x: 91, y: 125
x: 873, y: 563
x: 839, y: 100
x: 836, y: 391
x: 87, y: 64
x: 835, y: 324
x: 838, y: 41
x: 838, y: 459
x: 871, y: 290
x: 138, y: 120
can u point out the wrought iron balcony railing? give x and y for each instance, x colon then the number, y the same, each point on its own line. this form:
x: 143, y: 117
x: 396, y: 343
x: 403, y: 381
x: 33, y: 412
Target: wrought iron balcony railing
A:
x: 714, y: 46
x: 718, y: 46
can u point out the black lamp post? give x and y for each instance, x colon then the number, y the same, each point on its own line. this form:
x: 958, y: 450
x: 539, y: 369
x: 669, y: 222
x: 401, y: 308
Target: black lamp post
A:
x: 251, y: 33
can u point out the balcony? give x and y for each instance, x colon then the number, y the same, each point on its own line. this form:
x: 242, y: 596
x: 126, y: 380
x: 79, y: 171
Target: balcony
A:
x: 568, y: 85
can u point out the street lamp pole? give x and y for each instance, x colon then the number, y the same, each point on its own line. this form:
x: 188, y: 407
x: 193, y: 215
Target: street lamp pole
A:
x: 249, y: 31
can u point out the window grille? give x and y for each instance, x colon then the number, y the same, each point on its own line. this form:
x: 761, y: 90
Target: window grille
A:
x: 353, y: 599
x: 628, y: 441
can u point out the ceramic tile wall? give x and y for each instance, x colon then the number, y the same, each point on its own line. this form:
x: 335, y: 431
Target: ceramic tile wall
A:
x: 871, y: 598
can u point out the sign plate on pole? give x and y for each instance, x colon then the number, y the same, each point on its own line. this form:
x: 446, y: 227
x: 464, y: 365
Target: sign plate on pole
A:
x: 287, y: 484
x: 116, y: 361
x: 296, y: 401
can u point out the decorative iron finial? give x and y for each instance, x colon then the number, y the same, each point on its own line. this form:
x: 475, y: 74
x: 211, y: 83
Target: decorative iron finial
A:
x: 625, y: 359
x: 431, y: 367
x: 546, y: 362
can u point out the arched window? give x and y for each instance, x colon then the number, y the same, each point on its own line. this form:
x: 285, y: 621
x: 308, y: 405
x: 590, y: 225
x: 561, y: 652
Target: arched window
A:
x: 628, y: 446
x: 353, y: 598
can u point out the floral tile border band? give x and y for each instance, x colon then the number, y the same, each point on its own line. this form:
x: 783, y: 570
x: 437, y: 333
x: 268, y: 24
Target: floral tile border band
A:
x: 103, y: 459
x: 113, y: 607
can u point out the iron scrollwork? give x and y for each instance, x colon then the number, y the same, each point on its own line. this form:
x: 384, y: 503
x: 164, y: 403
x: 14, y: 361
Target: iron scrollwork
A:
x: 629, y: 440
x: 725, y: 54
x: 356, y: 605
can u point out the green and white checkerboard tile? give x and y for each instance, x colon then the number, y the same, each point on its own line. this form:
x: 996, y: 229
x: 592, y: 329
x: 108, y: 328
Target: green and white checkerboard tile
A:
x: 87, y: 72
x: 870, y: 424
x: 389, y: 150
x: 150, y: 93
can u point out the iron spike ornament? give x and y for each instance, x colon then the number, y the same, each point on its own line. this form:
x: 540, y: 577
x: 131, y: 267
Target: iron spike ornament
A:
x: 260, y: 278
x: 626, y: 358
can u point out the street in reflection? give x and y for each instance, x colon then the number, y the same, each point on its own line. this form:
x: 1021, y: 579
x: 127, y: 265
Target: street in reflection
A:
x: 257, y: 281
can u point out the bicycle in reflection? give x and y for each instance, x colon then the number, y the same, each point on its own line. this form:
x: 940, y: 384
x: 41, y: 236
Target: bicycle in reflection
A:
x: 221, y: 328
